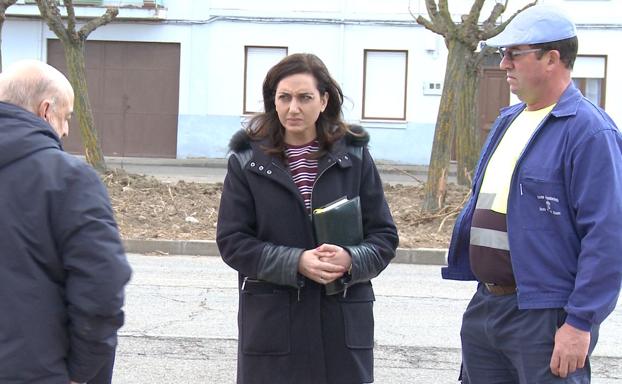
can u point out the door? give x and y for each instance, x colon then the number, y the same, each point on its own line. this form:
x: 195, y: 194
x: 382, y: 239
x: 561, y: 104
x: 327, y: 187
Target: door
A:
x: 134, y: 94
x: 494, y: 94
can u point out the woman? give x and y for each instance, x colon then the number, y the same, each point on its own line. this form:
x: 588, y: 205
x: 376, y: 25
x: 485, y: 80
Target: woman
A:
x: 297, y: 156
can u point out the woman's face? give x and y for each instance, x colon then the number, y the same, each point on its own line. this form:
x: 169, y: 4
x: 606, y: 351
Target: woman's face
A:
x: 299, y: 104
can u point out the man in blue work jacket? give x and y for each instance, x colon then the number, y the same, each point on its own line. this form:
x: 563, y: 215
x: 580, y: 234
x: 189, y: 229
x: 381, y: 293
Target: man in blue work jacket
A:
x: 541, y: 232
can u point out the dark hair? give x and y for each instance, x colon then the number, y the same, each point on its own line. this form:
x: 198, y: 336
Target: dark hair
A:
x: 567, y: 49
x: 330, y: 125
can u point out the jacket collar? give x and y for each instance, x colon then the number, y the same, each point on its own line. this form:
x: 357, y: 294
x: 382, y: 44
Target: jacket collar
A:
x: 272, y: 167
x: 337, y: 155
x: 567, y: 104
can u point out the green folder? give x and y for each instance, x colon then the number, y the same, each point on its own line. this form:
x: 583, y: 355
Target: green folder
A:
x: 339, y: 223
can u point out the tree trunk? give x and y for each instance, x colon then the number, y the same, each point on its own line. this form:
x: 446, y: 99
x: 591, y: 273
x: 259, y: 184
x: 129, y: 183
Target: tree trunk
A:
x: 73, y: 44
x: 436, y: 185
x: 457, y: 116
x: 467, y: 131
x: 74, y: 55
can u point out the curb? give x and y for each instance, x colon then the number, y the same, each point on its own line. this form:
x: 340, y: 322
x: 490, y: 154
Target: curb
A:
x: 424, y: 256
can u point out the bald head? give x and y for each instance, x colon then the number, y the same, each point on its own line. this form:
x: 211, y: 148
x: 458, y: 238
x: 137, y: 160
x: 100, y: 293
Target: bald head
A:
x: 28, y: 82
x: 40, y: 89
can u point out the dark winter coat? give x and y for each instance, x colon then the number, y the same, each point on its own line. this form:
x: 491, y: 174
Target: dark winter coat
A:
x: 62, y: 265
x: 289, y: 330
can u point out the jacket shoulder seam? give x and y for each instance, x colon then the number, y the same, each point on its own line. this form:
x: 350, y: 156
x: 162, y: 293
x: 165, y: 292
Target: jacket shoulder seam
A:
x: 355, y: 150
x: 243, y: 157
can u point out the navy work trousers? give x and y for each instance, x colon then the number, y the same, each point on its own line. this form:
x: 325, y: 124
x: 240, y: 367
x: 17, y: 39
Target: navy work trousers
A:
x: 502, y: 344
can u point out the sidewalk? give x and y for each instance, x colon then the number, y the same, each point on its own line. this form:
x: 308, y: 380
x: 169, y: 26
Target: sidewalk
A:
x: 424, y: 256
x: 214, y: 170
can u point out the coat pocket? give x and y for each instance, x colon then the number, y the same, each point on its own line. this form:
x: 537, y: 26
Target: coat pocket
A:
x: 543, y: 201
x: 358, y: 316
x: 265, y: 328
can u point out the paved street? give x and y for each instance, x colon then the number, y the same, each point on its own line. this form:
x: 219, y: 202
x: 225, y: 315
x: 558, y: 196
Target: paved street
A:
x: 181, y: 325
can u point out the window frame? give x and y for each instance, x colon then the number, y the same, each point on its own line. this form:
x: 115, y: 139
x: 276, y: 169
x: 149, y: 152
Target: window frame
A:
x: 582, y: 80
x: 404, y: 110
x: 244, y: 93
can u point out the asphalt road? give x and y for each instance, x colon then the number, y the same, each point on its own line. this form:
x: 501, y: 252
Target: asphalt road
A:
x: 181, y: 325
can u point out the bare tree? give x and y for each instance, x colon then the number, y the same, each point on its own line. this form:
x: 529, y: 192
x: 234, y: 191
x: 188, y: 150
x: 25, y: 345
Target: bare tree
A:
x: 457, y: 114
x: 73, y: 41
x: 4, y: 4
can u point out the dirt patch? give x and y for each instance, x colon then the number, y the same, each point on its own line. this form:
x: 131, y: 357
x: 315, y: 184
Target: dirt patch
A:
x: 147, y: 208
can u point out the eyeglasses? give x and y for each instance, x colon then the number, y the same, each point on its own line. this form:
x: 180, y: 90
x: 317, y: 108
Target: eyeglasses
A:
x: 512, y: 54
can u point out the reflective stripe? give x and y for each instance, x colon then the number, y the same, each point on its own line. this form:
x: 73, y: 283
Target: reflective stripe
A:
x: 490, y: 238
x: 485, y: 200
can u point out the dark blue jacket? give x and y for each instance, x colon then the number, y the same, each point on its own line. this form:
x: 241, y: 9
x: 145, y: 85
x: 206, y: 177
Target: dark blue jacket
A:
x: 62, y: 264
x: 564, y: 212
x: 289, y: 335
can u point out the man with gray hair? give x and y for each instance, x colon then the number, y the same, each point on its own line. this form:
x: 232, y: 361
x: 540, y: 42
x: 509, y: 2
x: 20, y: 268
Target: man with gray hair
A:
x: 62, y: 264
x: 541, y: 230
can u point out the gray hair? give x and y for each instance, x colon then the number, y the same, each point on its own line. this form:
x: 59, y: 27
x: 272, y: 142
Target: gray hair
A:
x: 27, y: 92
x: 28, y: 83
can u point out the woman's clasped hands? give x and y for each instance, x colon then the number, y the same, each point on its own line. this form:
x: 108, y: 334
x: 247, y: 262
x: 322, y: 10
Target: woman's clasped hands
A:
x: 324, y: 264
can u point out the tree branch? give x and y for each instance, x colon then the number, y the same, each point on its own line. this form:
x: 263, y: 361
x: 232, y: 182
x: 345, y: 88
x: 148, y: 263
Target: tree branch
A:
x: 445, y: 18
x: 431, y: 26
x: 432, y: 9
x: 475, y: 11
x: 51, y: 14
x: 93, y: 24
x: 4, y: 4
x: 71, y: 16
x: 497, y: 10
x: 436, y: 23
x: 443, y: 8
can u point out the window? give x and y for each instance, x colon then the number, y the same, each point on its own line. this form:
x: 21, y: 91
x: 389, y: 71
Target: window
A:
x: 257, y: 63
x: 384, y: 84
x: 590, y: 76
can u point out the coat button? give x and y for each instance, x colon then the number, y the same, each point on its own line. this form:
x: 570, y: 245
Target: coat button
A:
x: 269, y: 172
x: 345, y: 157
x: 261, y: 167
x: 252, y: 164
x: 339, y: 160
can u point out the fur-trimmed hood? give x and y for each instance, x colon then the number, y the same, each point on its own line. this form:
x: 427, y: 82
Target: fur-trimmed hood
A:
x: 356, y: 136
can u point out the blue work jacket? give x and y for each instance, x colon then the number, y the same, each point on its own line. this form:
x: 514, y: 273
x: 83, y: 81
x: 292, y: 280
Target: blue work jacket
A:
x: 564, y: 214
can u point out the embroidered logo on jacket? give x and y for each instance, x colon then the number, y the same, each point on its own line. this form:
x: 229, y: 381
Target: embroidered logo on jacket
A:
x: 550, y: 204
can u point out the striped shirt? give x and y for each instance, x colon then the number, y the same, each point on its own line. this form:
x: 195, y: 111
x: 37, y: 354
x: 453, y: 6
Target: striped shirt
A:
x: 303, y: 169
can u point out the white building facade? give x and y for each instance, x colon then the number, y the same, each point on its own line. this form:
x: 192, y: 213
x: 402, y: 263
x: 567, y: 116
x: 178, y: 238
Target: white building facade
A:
x: 391, y: 69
